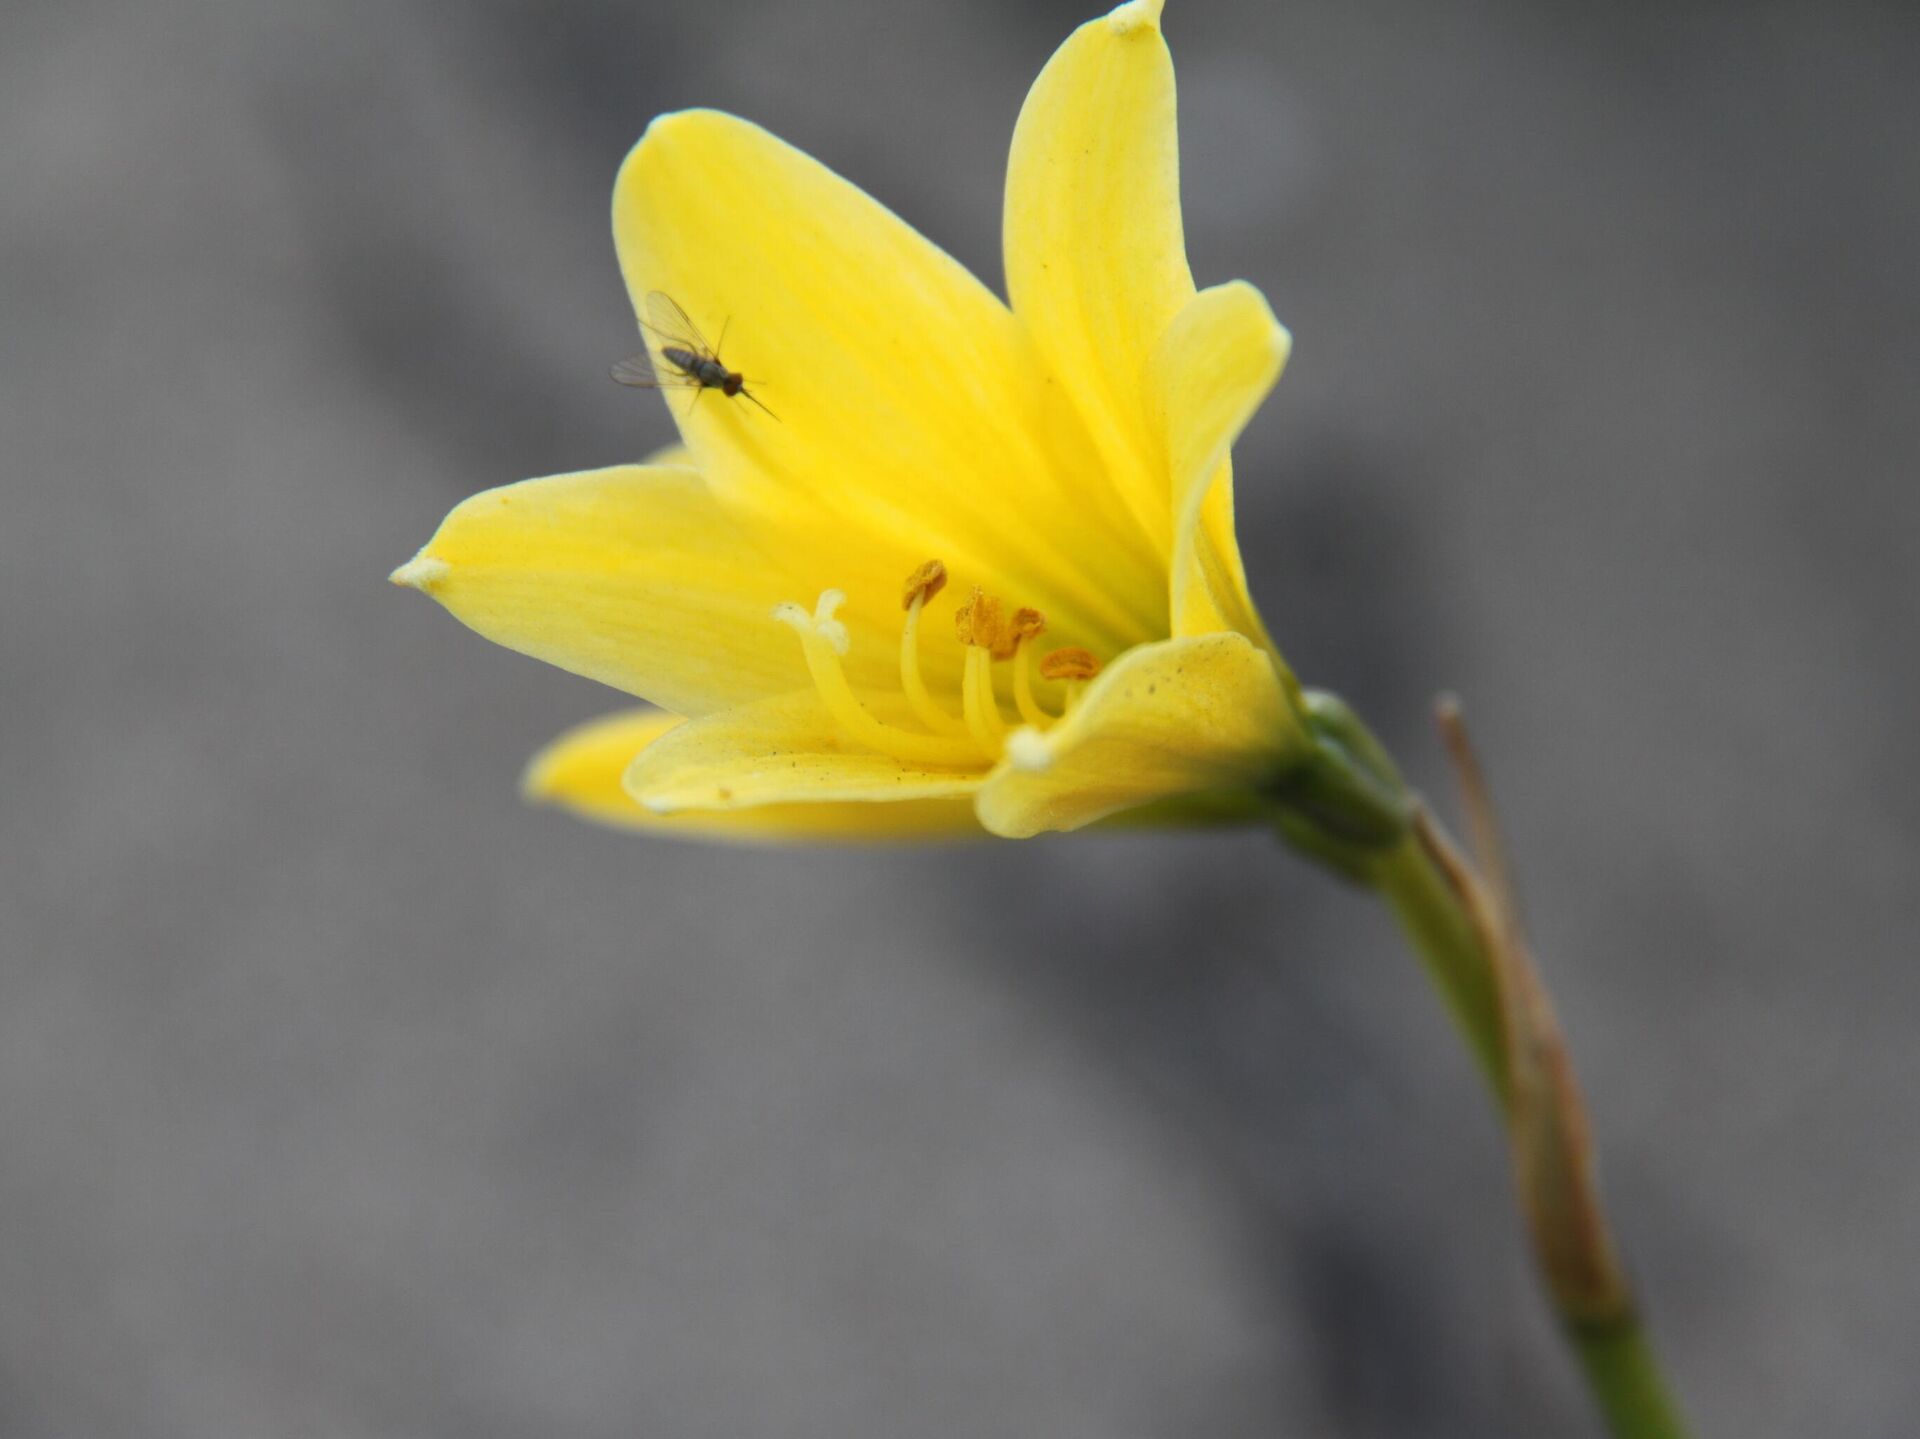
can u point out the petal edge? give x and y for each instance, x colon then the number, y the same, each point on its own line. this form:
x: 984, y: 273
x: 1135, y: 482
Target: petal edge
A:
x: 1182, y: 717
x: 582, y: 769
x: 1210, y: 372
x: 1094, y: 249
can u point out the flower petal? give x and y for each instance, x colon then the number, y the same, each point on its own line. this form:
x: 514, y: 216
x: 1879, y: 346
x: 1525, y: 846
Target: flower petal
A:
x: 1209, y: 373
x: 1096, y: 259
x: 913, y: 419
x: 674, y: 456
x: 581, y: 772
x: 632, y: 576
x: 1182, y: 717
x: 777, y: 751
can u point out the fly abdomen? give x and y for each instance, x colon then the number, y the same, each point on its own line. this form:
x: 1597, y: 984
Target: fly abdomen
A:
x: 704, y: 370
x: 686, y: 362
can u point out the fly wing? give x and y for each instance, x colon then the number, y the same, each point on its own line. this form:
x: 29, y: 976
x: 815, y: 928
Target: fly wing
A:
x: 643, y: 372
x: 671, y: 325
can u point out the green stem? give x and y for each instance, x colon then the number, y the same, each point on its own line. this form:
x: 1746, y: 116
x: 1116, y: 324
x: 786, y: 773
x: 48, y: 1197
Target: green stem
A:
x: 1626, y: 1381
x: 1613, y: 1350
x: 1448, y: 946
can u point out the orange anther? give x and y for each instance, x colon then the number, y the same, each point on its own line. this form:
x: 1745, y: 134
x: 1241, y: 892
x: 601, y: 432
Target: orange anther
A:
x: 1069, y: 664
x: 979, y: 621
x: 923, y: 584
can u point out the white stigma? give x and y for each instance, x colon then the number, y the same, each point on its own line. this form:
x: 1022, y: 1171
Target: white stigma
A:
x: 825, y: 625
x: 821, y: 622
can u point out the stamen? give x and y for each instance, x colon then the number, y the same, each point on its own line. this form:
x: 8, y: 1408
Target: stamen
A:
x: 1069, y: 664
x: 983, y: 711
x: 977, y: 622
x: 1027, y: 626
x: 823, y: 639
x: 922, y: 585
x: 1073, y: 667
x: 980, y: 735
x: 980, y: 627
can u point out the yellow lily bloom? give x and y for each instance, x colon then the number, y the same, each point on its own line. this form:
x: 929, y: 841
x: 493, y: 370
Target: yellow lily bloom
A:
x: 975, y: 567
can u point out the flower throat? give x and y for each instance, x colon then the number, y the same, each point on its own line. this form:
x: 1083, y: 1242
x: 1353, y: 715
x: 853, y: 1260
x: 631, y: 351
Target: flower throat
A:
x: 978, y: 734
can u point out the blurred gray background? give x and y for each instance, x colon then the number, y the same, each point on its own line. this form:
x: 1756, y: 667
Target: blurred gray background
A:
x: 341, y: 1095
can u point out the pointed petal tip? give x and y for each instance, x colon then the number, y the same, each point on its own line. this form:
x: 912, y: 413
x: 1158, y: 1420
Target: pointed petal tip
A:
x: 421, y: 573
x: 1279, y: 349
x: 539, y: 781
x: 649, y: 798
x: 673, y: 125
x: 669, y: 120
x: 1027, y: 749
x: 1257, y: 314
x: 1280, y: 338
x: 1135, y: 15
x: 660, y: 130
x: 1246, y: 292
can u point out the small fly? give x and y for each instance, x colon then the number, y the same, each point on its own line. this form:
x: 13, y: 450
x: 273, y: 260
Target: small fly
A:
x: 685, y: 361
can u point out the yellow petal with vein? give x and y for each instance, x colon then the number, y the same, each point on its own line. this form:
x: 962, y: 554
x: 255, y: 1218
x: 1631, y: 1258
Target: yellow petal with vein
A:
x: 1183, y: 717
x: 632, y: 576
x: 1208, y: 375
x: 1095, y: 256
x: 778, y: 751
x: 913, y: 419
x: 581, y: 772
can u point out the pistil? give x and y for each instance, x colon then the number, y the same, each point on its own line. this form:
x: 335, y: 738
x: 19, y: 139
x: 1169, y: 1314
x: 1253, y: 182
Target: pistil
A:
x: 823, y: 640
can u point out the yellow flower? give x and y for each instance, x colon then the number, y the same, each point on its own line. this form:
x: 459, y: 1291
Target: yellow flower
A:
x: 779, y: 586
